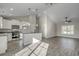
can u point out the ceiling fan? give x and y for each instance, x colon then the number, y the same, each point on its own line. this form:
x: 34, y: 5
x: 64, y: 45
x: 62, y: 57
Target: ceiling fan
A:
x: 67, y: 20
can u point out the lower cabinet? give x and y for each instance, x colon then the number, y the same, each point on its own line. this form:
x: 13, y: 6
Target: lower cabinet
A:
x: 9, y: 35
x: 31, y: 38
x: 3, y: 44
x: 27, y: 39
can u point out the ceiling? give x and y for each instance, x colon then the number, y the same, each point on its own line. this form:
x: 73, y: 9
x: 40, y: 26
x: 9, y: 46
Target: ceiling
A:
x: 20, y: 9
x: 61, y: 10
x: 56, y: 12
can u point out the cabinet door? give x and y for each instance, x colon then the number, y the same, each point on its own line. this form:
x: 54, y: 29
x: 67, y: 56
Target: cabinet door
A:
x: 27, y: 39
x: 1, y: 22
x: 9, y: 36
x: 3, y: 44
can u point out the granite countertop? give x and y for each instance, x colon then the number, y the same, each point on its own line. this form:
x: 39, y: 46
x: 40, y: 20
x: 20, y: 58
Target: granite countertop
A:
x: 5, y: 30
x: 3, y: 34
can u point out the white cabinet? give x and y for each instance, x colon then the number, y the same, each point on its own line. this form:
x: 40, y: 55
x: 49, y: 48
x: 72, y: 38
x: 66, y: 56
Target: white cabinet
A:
x: 31, y: 38
x: 27, y: 39
x: 3, y: 44
x: 9, y: 36
x: 1, y: 22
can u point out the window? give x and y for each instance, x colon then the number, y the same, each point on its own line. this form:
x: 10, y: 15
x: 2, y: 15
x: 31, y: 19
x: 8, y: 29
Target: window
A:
x: 68, y: 29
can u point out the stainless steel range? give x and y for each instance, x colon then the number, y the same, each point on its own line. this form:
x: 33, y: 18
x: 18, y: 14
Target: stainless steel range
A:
x: 15, y: 31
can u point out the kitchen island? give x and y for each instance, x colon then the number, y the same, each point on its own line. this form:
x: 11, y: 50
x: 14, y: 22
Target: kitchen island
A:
x: 29, y: 38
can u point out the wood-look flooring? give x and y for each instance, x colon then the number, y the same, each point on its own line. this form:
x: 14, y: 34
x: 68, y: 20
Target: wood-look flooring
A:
x: 60, y: 46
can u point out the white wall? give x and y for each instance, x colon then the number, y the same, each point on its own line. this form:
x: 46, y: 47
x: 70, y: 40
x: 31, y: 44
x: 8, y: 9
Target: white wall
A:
x: 51, y: 28
x: 58, y: 12
x: 76, y: 30
x: 46, y: 26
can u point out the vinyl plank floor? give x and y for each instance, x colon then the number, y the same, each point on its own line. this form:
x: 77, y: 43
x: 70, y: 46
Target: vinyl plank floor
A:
x: 58, y: 46
x: 61, y: 46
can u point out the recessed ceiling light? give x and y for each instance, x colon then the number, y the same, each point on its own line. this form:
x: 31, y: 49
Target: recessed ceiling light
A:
x: 11, y: 9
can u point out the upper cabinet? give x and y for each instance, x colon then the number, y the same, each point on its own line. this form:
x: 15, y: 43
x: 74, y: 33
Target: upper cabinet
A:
x: 1, y: 22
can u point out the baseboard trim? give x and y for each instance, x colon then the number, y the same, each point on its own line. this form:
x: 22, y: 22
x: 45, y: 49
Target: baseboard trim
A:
x: 67, y: 37
x: 60, y: 37
x: 49, y: 37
